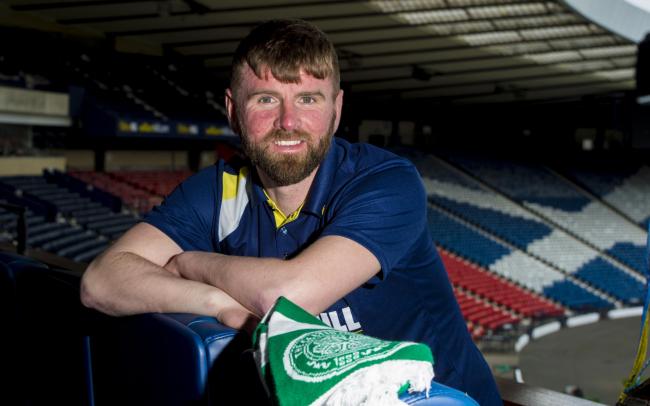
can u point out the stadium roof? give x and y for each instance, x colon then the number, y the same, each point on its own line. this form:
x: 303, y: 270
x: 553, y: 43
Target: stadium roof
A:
x: 455, y: 51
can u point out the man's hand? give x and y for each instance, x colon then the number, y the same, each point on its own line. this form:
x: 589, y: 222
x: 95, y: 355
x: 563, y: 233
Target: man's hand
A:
x: 172, y: 266
x: 238, y: 318
x: 188, y: 264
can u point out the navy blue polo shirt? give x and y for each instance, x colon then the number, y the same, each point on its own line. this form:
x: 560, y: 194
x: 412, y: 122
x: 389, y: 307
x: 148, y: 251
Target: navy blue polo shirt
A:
x: 362, y: 193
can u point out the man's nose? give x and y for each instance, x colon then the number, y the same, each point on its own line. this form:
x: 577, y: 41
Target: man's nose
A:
x: 288, y: 119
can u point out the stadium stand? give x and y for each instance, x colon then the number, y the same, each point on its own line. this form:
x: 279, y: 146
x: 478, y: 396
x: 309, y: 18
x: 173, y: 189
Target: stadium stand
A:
x: 484, y: 284
x: 514, y: 265
x: 139, y: 190
x: 481, y: 316
x: 550, y: 250
x: 520, y: 242
x: 623, y: 185
x: 141, y: 201
x: 106, y: 83
x: 73, y: 206
x: 519, y: 225
x: 82, y: 211
x: 159, y: 183
x: 58, y: 237
x: 69, y: 224
x: 556, y: 200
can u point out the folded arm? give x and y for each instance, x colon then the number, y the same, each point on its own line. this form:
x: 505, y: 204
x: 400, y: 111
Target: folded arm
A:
x: 130, y: 278
x: 324, y: 272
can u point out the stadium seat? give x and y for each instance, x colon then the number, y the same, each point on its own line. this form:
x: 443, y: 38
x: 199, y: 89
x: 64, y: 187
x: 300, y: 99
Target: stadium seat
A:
x: 481, y: 282
x: 544, y: 193
x: 624, y: 185
x: 163, y: 359
x: 44, y: 348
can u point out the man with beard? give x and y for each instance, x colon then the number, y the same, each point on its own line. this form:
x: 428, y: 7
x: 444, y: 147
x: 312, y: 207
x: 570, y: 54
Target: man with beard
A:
x: 338, y: 228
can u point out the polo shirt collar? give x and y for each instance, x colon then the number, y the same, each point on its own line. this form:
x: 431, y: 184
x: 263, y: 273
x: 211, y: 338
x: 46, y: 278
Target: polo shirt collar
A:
x: 319, y: 189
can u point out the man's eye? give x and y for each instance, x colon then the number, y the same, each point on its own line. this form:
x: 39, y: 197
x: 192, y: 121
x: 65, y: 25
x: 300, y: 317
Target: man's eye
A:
x: 307, y: 100
x: 265, y: 99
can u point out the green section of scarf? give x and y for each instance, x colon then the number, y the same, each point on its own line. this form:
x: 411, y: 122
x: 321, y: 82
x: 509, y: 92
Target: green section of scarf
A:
x: 305, y: 362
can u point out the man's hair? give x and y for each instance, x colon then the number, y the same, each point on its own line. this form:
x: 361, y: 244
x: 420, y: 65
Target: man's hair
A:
x: 285, y: 47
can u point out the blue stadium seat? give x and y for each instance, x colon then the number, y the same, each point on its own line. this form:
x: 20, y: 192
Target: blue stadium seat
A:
x: 461, y: 239
x: 615, y: 282
x: 623, y: 185
x: 72, y: 251
x: 45, y: 348
x: 575, y: 297
x: 42, y: 238
x: 439, y: 395
x: 630, y: 254
x: 525, y: 182
x: 516, y: 230
x: 71, y: 198
x: 162, y: 359
x: 72, y: 238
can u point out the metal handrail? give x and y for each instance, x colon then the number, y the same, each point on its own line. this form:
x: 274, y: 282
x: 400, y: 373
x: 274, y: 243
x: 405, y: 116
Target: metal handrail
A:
x: 21, y: 225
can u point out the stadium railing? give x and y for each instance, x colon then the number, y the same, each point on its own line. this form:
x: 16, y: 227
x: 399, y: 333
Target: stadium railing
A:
x: 21, y: 225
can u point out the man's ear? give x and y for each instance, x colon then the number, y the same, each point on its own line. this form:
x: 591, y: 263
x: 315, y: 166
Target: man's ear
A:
x: 231, y: 109
x: 338, y: 106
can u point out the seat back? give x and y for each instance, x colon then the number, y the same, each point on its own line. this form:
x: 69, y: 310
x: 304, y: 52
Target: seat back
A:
x: 161, y: 359
x: 439, y: 395
x: 46, y: 345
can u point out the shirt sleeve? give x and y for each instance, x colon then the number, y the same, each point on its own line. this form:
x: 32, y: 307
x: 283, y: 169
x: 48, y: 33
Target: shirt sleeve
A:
x: 385, y: 212
x: 188, y: 214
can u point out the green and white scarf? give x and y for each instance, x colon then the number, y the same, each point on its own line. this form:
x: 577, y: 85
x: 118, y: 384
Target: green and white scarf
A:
x: 305, y: 362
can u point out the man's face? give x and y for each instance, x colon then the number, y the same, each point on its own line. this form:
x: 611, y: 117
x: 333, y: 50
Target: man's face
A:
x: 286, y: 128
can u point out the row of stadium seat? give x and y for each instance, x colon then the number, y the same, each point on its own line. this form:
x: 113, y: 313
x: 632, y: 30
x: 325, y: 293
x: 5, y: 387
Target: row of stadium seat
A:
x: 139, y: 200
x: 505, y: 219
x: 76, y: 223
x: 139, y: 190
x: 159, y: 183
x: 507, y: 228
x: 513, y: 265
x: 58, y: 237
x: 543, y: 192
x: 623, y: 185
x: 481, y: 316
x: 485, y: 284
x: 140, y: 85
x: 65, y: 222
x: 81, y: 210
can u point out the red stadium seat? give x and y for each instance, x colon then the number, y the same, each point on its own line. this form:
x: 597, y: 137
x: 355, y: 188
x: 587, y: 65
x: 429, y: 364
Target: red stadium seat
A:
x: 482, y: 297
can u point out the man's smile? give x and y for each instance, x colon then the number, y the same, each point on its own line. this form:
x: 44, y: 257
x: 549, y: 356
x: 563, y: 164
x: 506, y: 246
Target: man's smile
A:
x: 287, y: 143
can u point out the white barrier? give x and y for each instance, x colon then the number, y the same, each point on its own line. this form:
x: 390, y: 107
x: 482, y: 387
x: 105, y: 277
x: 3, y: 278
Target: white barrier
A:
x: 522, y: 341
x: 622, y: 313
x: 582, y: 320
x: 545, y: 329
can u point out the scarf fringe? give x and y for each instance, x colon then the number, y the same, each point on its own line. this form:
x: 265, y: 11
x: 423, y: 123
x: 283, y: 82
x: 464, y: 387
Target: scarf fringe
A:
x: 378, y: 385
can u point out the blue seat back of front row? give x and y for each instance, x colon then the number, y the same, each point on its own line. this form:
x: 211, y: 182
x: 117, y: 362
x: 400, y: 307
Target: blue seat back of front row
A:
x: 44, y: 352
